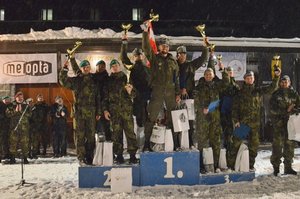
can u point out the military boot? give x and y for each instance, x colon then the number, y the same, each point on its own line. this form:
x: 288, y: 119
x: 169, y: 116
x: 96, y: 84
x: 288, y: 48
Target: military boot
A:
x: 12, y: 160
x: 133, y: 159
x: 289, y: 170
x: 276, y: 171
x: 120, y: 159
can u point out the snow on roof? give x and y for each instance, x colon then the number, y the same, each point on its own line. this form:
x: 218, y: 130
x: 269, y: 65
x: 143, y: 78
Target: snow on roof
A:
x: 80, y: 33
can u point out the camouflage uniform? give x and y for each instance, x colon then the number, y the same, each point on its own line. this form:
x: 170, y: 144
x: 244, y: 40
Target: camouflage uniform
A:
x: 282, y: 146
x: 119, y: 104
x: 247, y: 110
x: 139, y: 77
x: 187, y: 80
x: 164, y: 82
x: 19, y: 138
x: 85, y: 95
x: 39, y: 127
x: 4, y: 131
x: 208, y: 127
x: 226, y: 111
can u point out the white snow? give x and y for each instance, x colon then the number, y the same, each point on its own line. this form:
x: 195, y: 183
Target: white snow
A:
x: 58, y: 178
x: 80, y: 33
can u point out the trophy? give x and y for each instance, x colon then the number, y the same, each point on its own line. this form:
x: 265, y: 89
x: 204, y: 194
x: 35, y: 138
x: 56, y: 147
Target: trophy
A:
x: 72, y: 51
x: 276, y: 58
x: 126, y: 27
x: 153, y: 17
x: 201, y: 29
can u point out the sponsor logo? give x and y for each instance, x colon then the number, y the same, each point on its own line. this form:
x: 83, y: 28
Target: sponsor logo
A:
x: 32, y: 68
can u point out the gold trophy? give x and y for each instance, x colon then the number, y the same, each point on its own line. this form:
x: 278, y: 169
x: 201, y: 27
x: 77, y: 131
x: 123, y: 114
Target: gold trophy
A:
x: 201, y: 29
x: 72, y: 51
x: 126, y: 27
x: 153, y: 17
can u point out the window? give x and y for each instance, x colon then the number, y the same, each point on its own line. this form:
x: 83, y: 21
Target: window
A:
x: 2, y: 14
x: 137, y: 14
x: 95, y: 14
x: 47, y: 14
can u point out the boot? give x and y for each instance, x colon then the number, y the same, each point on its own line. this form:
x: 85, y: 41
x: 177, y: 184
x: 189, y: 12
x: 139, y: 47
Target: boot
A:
x: 120, y: 159
x: 26, y: 161
x: 276, y: 171
x: 289, y: 170
x: 133, y: 159
x: 12, y: 160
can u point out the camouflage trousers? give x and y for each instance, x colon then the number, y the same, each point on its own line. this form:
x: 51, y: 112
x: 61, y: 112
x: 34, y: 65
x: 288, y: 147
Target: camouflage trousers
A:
x: 85, y: 128
x: 253, y: 143
x: 123, y: 122
x: 19, y: 140
x: 281, y: 146
x: 208, y: 133
x: 4, y: 140
x: 158, y: 98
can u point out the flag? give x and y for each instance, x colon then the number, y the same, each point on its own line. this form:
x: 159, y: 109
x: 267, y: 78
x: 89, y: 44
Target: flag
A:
x: 151, y: 38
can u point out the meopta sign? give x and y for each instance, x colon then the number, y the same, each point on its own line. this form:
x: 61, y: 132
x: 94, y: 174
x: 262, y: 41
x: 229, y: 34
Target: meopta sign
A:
x: 32, y: 68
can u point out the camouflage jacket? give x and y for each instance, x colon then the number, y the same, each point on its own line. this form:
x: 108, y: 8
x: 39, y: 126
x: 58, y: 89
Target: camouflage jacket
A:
x: 139, y: 72
x: 116, y: 99
x: 16, y: 115
x: 40, y: 112
x: 164, y: 70
x: 280, y: 101
x: 84, y: 88
x: 207, y: 92
x: 247, y: 103
x: 187, y: 70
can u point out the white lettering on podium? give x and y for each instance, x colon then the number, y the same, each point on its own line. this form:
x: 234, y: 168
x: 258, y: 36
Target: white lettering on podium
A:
x: 108, y: 179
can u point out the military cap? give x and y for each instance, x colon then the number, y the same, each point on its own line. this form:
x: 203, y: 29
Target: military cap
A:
x: 5, y: 97
x: 113, y: 62
x: 100, y: 62
x: 285, y: 77
x: 229, y: 68
x: 18, y: 94
x: 84, y: 63
x: 137, y: 51
x: 39, y: 95
x: 58, y: 97
x: 181, y: 49
x: 164, y: 41
x: 249, y: 73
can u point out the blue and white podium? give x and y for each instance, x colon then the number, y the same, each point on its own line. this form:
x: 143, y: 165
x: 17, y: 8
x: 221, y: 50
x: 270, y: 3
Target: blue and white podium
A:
x: 161, y: 168
x: 169, y: 168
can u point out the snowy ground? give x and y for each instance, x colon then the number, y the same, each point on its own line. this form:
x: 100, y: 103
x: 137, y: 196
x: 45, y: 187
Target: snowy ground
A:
x: 58, y: 178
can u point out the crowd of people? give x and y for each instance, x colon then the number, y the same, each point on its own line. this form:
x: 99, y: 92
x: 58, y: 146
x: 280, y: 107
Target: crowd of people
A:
x: 25, y: 130
x: 105, y: 105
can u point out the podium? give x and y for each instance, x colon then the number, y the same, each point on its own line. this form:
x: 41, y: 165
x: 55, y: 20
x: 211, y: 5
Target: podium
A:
x: 161, y: 168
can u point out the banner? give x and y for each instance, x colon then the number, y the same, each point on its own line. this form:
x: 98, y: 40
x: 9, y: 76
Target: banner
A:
x: 234, y: 59
x: 28, y: 68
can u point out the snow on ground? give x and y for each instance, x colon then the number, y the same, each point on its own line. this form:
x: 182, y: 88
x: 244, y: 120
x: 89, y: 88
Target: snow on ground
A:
x: 57, y: 178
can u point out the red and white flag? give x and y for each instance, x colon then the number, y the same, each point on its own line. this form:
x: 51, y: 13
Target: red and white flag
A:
x: 151, y: 38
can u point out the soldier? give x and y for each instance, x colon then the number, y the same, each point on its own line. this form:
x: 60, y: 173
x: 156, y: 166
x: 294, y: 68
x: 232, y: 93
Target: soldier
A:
x: 164, y: 82
x: 117, y: 106
x: 19, y: 113
x: 246, y: 110
x: 39, y: 126
x: 208, y: 127
x: 139, y: 77
x: 85, y: 108
x: 226, y: 108
x: 187, y: 76
x: 4, y: 128
x: 101, y: 77
x: 59, y: 114
x: 283, y: 102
